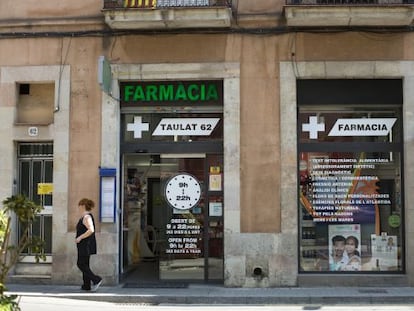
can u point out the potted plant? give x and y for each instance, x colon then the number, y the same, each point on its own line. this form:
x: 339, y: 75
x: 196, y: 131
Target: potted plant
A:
x: 10, y: 252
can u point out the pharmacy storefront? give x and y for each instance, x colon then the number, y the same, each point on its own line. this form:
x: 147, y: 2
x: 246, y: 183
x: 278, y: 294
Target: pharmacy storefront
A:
x: 350, y: 181
x: 172, y: 178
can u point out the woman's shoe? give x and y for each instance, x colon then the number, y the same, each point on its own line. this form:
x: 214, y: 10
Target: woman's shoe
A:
x: 96, y: 286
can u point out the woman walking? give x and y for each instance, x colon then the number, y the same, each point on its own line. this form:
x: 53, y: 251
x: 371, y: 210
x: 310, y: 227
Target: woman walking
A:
x: 86, y: 244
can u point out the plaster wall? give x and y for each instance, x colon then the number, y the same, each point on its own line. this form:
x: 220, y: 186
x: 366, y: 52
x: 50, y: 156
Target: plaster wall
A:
x: 56, y: 132
x: 34, y: 9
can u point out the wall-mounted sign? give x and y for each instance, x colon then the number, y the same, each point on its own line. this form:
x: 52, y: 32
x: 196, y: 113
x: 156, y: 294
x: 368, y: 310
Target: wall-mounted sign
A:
x: 362, y: 127
x: 350, y: 127
x: 33, y: 131
x: 175, y: 127
x: 44, y: 188
x: 159, y: 93
x: 183, y: 191
x: 107, y: 189
x: 188, y: 126
x: 104, y: 74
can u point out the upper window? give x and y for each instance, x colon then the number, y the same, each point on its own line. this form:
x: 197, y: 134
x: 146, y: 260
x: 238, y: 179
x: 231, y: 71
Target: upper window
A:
x: 35, y: 103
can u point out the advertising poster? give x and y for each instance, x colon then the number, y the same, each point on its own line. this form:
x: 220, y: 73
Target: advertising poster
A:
x: 342, y: 189
x: 215, y: 209
x: 344, y: 247
x: 384, y: 252
x: 215, y: 182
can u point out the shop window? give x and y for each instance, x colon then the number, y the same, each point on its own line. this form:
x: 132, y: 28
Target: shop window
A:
x: 350, y: 176
x: 35, y: 104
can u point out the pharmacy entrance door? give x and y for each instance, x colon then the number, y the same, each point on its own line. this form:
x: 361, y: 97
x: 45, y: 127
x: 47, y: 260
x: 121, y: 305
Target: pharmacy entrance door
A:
x: 172, y: 217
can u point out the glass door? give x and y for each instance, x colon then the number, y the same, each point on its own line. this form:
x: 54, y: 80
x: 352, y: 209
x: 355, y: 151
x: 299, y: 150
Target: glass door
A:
x: 184, y: 193
x: 173, y: 217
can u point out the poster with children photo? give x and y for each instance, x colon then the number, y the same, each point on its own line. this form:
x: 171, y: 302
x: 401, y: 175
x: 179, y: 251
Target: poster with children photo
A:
x: 344, y: 247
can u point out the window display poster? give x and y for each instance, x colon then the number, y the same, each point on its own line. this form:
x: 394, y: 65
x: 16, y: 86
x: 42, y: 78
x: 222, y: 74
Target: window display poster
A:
x: 215, y: 182
x: 343, y: 188
x: 107, y: 199
x: 216, y: 209
x: 183, y: 236
x: 344, y: 247
x: 384, y: 252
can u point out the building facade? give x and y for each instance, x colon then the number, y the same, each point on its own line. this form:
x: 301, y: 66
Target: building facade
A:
x: 250, y: 143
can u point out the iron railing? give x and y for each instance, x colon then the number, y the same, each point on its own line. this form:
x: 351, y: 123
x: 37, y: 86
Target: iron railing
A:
x: 161, y: 4
x: 350, y: 2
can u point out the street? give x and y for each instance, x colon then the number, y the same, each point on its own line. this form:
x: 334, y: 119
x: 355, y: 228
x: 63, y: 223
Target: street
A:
x: 32, y: 303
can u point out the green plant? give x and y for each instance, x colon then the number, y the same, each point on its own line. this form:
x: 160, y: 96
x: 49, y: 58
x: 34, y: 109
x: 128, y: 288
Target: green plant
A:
x: 10, y: 253
x: 9, y: 303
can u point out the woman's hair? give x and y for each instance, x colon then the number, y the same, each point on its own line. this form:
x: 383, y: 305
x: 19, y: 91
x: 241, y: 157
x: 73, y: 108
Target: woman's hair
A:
x: 356, y: 243
x: 89, y: 204
x: 351, y: 237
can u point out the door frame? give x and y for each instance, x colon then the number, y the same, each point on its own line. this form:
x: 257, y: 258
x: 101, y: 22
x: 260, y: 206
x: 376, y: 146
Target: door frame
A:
x: 111, y: 133
x: 207, y: 217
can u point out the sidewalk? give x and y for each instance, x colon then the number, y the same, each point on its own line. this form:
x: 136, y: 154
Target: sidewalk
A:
x: 216, y: 294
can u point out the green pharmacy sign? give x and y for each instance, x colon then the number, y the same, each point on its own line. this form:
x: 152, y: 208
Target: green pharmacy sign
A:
x: 161, y: 93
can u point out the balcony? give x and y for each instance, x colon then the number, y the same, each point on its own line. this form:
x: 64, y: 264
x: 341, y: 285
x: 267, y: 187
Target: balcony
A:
x: 349, y: 13
x: 167, y: 14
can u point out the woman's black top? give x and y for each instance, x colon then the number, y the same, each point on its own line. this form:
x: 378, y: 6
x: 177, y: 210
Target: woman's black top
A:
x: 86, y: 247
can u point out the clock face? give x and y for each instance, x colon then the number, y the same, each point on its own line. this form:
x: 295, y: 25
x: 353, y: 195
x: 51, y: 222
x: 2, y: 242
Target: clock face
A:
x: 183, y: 191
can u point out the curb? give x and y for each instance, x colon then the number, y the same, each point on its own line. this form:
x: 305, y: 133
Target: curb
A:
x: 213, y: 295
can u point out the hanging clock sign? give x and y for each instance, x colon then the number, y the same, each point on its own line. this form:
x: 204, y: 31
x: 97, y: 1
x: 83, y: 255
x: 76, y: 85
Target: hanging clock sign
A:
x: 183, y: 191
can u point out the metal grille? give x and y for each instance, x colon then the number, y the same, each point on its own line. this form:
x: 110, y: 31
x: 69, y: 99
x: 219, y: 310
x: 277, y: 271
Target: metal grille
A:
x: 152, y: 4
x: 35, y: 165
x: 35, y: 149
x: 175, y: 3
